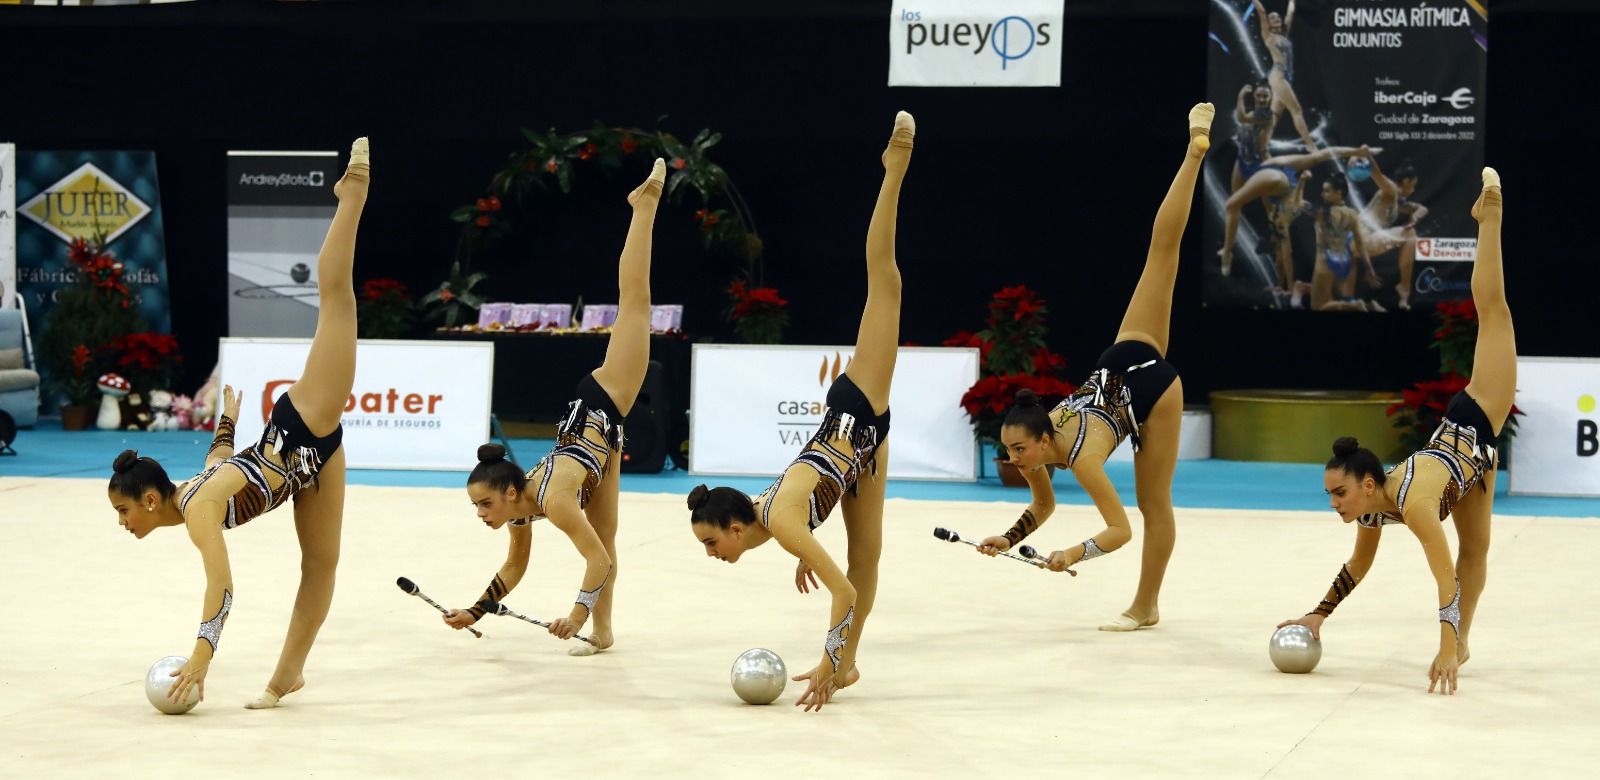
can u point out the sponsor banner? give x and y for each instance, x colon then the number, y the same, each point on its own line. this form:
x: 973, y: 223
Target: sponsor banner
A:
x: 1295, y: 207
x: 753, y: 408
x: 112, y: 196
x: 1556, y: 451
x: 975, y: 43
x: 400, y: 414
x: 279, y: 207
x: 8, y: 226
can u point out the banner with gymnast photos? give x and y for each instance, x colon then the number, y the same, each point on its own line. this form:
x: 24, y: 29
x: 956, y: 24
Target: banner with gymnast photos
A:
x: 8, y: 226
x: 279, y: 207
x: 1293, y: 203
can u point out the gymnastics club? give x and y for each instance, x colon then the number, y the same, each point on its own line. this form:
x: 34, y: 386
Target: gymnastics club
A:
x: 1030, y: 556
x: 496, y: 608
x: 411, y: 589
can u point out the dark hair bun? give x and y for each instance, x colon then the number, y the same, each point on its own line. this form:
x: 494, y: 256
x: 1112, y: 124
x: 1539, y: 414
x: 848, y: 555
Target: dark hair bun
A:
x: 1026, y: 397
x: 125, y: 461
x: 490, y: 453
x: 1345, y: 446
x: 698, y: 497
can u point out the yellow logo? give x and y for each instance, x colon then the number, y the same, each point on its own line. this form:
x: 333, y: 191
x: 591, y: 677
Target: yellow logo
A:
x: 825, y: 376
x: 84, y: 203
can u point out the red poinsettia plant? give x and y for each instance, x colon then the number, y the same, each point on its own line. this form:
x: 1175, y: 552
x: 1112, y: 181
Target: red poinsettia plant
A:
x: 758, y: 314
x: 385, y: 309
x: 1012, y: 356
x: 148, y: 360
x: 1422, y: 406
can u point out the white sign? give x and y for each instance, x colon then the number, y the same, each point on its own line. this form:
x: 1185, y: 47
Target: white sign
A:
x: 753, y: 408
x: 415, y: 404
x: 975, y: 43
x: 8, y: 225
x: 1556, y: 451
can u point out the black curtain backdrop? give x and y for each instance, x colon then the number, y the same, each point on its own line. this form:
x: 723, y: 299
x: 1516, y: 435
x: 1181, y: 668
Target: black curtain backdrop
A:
x: 1054, y: 188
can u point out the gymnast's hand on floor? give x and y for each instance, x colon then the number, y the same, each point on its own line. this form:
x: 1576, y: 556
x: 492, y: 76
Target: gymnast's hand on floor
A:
x: 565, y: 628
x: 994, y: 545
x: 1442, y: 673
x: 459, y: 619
x: 1312, y: 621
x: 802, y: 573
x: 822, y: 685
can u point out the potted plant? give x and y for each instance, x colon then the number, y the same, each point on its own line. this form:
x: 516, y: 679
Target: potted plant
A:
x: 1422, y: 406
x: 147, y: 360
x: 758, y: 314
x: 453, y: 302
x: 90, y: 312
x: 1012, y: 356
x: 385, y: 311
x: 78, y: 392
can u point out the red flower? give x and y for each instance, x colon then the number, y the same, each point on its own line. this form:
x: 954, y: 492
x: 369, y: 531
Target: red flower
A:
x: 446, y: 296
x: 1046, y: 362
x: 586, y: 151
x: 494, y: 203
x: 80, y: 358
x: 700, y: 216
x: 628, y: 144
x: 679, y: 163
x: 374, y: 289
x: 483, y: 204
x: 482, y: 220
x: 551, y: 165
x: 751, y: 300
x: 711, y: 219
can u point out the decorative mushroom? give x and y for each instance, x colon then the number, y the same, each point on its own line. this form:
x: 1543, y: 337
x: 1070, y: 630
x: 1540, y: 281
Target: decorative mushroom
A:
x: 112, y: 389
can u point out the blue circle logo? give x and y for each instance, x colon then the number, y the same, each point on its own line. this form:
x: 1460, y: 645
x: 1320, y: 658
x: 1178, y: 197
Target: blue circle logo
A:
x: 1008, y: 36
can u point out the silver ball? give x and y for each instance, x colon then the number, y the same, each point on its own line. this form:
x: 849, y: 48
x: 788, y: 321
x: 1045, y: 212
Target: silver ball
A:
x: 1294, y: 650
x: 159, y: 680
x: 759, y: 676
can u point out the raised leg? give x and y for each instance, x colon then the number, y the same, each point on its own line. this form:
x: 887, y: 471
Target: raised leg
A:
x: 1494, y: 360
x: 318, y: 518
x: 628, y: 348
x: 1149, y: 314
x: 878, y: 340
x: 330, y: 369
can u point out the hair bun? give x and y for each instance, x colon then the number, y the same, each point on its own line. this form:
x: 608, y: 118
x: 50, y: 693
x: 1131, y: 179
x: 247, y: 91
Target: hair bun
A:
x: 698, y: 497
x: 125, y: 461
x: 1026, y: 397
x: 490, y: 453
x: 1345, y: 446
